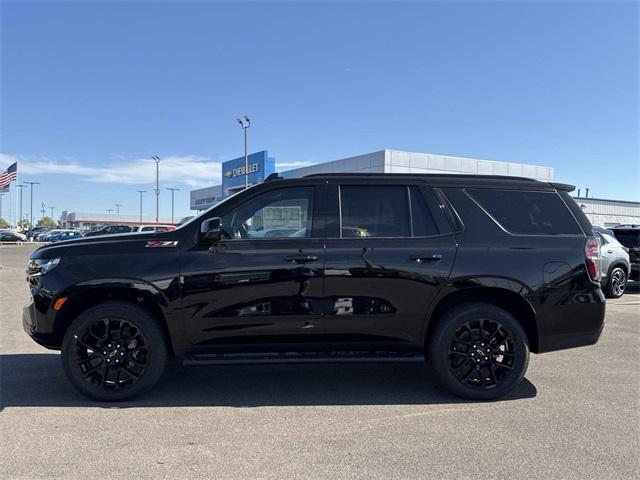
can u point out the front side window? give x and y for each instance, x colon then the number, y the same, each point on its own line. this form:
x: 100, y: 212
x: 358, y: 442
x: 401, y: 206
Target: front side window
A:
x: 374, y: 211
x: 281, y: 213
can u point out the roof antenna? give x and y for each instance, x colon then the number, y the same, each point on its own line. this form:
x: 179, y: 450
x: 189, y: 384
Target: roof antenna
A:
x: 586, y: 195
x: 578, y: 193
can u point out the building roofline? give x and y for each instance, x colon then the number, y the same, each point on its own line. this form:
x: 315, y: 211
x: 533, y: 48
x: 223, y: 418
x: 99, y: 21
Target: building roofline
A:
x: 628, y: 202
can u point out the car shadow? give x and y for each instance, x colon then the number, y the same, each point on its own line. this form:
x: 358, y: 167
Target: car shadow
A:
x: 37, y: 380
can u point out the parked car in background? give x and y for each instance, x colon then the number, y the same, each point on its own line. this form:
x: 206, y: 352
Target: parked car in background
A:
x: 42, y: 237
x: 34, y: 232
x: 13, y: 237
x: 629, y: 236
x: 154, y: 228
x: 615, y: 265
x: 469, y: 272
x: 63, y: 235
x: 110, y: 230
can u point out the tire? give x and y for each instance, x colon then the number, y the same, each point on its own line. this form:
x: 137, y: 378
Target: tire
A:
x: 491, y: 351
x: 114, y: 351
x: 616, y: 283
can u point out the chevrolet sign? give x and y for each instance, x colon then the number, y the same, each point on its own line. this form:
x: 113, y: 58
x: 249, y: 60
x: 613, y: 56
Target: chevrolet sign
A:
x: 236, y: 172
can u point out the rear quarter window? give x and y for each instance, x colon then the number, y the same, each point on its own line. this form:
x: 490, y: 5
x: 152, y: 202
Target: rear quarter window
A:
x: 527, y: 212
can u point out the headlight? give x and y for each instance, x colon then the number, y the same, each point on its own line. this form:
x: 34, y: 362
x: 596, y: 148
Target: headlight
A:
x: 43, y: 265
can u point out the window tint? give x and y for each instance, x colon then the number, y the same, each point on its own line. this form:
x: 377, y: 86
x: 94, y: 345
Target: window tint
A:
x: 528, y: 212
x: 147, y: 229
x: 422, y: 219
x: 374, y: 211
x: 286, y: 212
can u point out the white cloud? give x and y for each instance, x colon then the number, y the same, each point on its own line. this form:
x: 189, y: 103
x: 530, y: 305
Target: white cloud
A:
x: 190, y: 170
x: 280, y: 167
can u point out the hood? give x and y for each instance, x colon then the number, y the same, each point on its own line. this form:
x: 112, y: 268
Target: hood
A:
x: 101, y: 244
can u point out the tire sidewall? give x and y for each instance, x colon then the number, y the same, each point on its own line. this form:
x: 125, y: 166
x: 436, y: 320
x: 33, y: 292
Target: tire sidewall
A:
x: 441, y: 338
x: 134, y: 314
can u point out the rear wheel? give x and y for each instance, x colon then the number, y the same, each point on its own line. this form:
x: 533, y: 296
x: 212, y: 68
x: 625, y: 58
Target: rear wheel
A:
x: 478, y: 351
x: 616, y: 283
x: 114, y: 351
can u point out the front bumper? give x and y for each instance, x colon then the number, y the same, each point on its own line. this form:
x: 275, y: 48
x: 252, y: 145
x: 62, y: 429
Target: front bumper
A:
x: 30, y: 326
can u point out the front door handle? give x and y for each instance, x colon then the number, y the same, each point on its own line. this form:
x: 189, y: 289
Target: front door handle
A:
x: 301, y: 258
x: 426, y: 258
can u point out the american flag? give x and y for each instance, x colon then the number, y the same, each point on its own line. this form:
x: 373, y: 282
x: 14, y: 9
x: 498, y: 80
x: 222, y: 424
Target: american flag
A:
x: 9, y: 175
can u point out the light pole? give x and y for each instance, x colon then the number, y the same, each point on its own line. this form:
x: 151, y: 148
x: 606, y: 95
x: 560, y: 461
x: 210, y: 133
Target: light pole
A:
x: 52, y: 209
x: 156, y: 158
x: 20, y: 186
x: 31, y: 184
x: 44, y: 209
x: 245, y: 123
x: 141, y: 192
x: 172, y: 192
x: 118, y: 205
x: 109, y: 210
x: 2, y: 198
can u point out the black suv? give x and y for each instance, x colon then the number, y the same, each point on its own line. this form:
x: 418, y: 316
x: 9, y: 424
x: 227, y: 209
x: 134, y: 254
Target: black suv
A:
x: 629, y: 237
x: 470, y: 272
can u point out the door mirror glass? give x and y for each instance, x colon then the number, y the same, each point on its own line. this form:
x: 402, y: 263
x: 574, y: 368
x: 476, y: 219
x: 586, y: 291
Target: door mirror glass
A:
x: 211, y: 229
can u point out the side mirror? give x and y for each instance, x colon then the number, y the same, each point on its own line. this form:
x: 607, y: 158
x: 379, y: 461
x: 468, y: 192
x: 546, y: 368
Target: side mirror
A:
x: 211, y: 229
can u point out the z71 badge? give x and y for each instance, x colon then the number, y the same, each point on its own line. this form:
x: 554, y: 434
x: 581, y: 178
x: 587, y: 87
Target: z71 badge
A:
x: 161, y: 244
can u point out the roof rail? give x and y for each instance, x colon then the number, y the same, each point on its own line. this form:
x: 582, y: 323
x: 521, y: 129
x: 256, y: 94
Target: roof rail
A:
x: 273, y: 176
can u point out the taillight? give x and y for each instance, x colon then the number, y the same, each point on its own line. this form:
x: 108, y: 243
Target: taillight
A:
x: 592, y: 252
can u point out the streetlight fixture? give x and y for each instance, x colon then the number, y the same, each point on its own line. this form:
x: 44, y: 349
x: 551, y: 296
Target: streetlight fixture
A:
x: 31, y: 184
x: 118, y: 205
x: 20, y: 186
x: 109, y: 210
x: 245, y: 123
x: 141, y: 192
x: 156, y: 158
x: 172, y: 192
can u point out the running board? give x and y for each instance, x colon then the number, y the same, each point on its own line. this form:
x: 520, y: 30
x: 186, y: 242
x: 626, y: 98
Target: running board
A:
x: 295, y: 357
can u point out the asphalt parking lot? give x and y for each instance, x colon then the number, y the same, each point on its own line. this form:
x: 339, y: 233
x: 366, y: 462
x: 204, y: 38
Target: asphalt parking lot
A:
x: 575, y: 416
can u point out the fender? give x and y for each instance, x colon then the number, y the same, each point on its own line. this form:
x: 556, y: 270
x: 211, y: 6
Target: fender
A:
x: 162, y: 295
x: 477, y: 283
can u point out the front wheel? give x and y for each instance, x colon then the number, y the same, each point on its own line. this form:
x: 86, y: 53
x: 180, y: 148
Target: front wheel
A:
x: 114, y: 351
x: 478, y: 351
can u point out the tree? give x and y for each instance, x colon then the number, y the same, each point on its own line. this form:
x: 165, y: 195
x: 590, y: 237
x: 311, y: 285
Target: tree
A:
x: 47, y: 222
x: 3, y: 223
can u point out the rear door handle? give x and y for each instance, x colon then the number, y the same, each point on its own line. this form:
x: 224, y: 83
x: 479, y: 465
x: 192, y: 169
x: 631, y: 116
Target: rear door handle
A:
x: 426, y: 258
x: 301, y: 258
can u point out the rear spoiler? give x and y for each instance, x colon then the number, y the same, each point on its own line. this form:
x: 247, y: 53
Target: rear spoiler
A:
x: 565, y: 187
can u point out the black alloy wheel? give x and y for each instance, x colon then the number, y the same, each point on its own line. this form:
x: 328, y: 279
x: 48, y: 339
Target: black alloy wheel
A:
x: 478, y: 351
x: 481, y: 353
x: 114, y: 351
x: 111, y: 353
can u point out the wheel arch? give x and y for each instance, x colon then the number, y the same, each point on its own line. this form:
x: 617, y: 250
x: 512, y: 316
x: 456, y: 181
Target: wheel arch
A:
x: 506, y: 299
x: 81, y: 297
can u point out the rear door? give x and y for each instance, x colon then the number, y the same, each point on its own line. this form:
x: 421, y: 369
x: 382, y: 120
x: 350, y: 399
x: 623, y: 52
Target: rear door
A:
x: 390, y: 249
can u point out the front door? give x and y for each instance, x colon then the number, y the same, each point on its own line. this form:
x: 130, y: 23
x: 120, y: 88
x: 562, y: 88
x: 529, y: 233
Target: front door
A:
x: 392, y: 251
x: 260, y: 286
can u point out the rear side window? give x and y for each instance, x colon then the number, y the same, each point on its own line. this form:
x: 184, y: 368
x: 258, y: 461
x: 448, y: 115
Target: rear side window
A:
x: 529, y: 213
x: 374, y: 211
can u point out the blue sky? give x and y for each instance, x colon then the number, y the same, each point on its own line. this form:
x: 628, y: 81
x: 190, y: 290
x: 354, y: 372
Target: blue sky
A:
x: 91, y: 90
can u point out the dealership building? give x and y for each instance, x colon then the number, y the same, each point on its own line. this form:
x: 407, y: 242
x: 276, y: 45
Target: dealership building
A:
x: 600, y: 211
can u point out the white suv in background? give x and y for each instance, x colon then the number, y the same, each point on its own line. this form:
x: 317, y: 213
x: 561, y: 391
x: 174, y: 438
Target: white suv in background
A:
x: 153, y: 228
x: 615, y: 263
